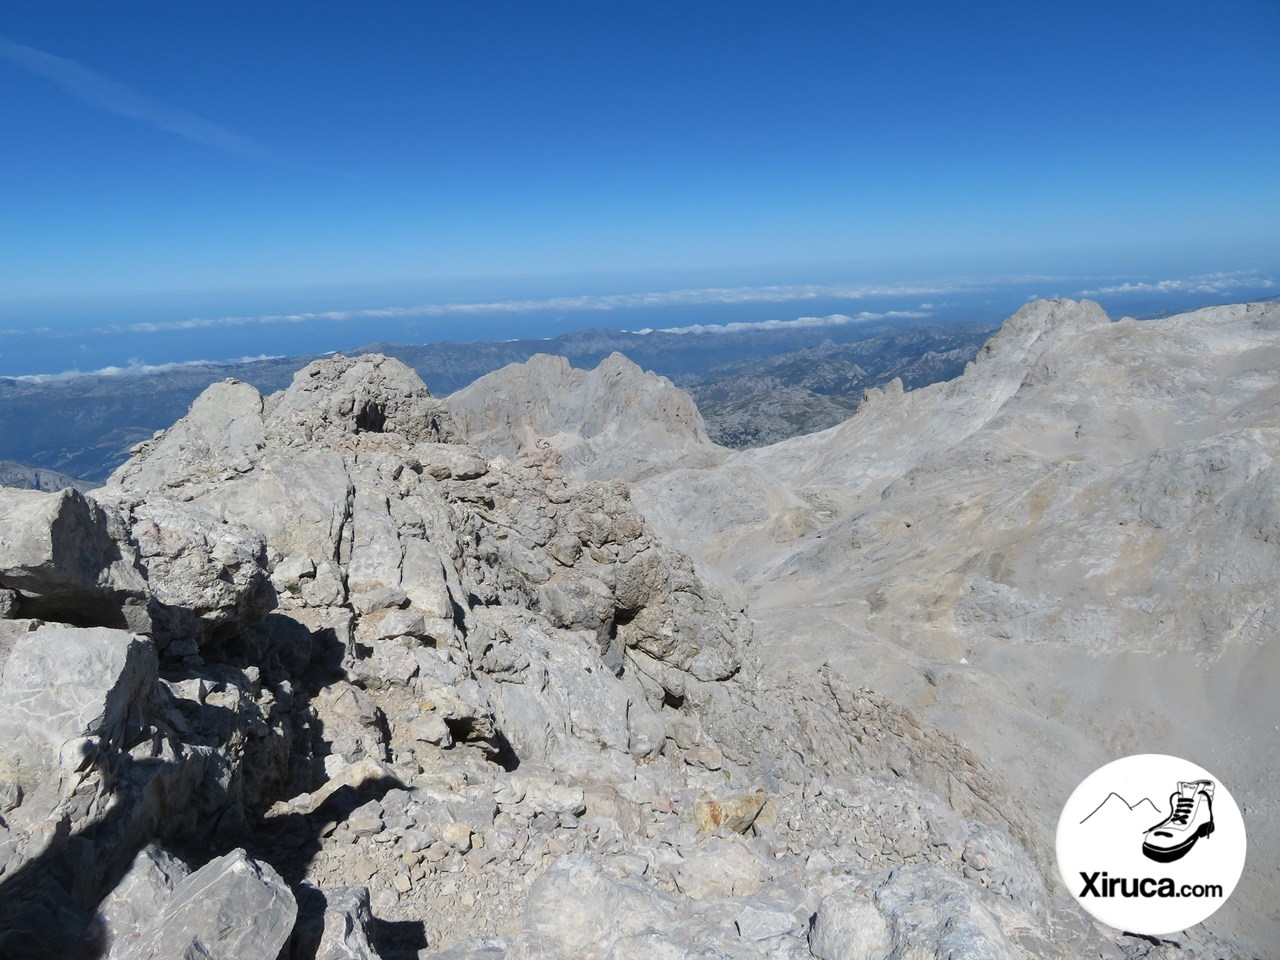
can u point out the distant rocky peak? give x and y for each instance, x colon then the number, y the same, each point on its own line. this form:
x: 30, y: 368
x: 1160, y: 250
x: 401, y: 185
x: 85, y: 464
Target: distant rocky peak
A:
x: 1039, y: 324
x: 616, y: 420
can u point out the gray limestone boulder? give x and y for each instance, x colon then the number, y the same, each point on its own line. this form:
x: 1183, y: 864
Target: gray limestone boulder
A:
x: 139, y: 897
x: 232, y: 908
x: 204, y: 572
x: 61, y: 558
x: 346, y: 926
x: 219, y: 437
x: 577, y: 909
x: 848, y: 926
x: 70, y: 698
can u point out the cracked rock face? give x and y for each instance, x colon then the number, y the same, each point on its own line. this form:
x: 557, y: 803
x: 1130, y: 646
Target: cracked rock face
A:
x: 616, y: 421
x: 395, y: 698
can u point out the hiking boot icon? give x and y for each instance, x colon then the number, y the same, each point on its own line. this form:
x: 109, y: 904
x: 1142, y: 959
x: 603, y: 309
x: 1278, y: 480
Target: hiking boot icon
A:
x: 1190, y: 818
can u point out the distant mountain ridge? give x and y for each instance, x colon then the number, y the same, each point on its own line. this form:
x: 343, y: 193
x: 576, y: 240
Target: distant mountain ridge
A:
x: 85, y: 426
x: 758, y: 402
x: 33, y: 478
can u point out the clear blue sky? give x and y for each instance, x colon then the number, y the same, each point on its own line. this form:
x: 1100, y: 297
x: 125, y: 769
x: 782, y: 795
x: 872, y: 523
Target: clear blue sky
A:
x: 153, y: 148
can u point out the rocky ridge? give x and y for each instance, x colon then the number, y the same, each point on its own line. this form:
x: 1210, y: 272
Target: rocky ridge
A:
x: 1061, y: 557
x: 309, y: 677
x: 32, y: 478
x: 1064, y: 556
x: 612, y: 422
x: 764, y: 401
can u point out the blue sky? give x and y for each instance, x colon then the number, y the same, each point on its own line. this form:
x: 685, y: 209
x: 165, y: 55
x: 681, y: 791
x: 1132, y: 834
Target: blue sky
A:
x: 179, y: 158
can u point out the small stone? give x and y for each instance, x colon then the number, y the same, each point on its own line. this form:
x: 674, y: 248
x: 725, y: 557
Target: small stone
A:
x: 553, y: 798
x: 736, y: 812
x: 507, y: 792
x: 761, y: 921
x: 976, y: 857
x: 399, y: 623
x: 366, y: 821
x: 289, y: 571
x: 402, y: 883
x: 908, y: 846
x: 709, y: 758
x: 437, y: 851
x: 431, y: 728
x: 10, y: 796
x: 457, y: 836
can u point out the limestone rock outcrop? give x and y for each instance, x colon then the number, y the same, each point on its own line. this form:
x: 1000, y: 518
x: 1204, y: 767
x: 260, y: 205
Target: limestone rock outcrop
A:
x: 1062, y: 557
x: 392, y: 694
x: 615, y: 421
x: 62, y: 552
x: 1065, y: 555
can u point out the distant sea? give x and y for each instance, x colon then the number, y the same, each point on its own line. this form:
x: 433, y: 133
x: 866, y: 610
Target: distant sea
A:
x: 119, y: 338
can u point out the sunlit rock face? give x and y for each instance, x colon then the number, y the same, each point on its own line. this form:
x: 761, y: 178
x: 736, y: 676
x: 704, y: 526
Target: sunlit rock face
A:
x: 353, y: 686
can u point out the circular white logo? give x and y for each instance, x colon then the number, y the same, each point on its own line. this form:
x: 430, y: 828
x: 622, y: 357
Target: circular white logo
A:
x: 1151, y: 844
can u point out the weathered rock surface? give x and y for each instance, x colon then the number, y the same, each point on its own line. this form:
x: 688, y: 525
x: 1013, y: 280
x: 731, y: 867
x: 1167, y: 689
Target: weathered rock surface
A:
x: 232, y: 908
x: 60, y: 553
x: 480, y: 690
x: 33, y: 478
x: 68, y: 694
x: 347, y: 919
x: 1064, y: 556
x: 614, y: 421
x: 132, y: 907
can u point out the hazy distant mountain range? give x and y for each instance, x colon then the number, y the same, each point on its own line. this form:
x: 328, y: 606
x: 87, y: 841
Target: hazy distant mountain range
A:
x: 754, y: 386
x: 749, y: 403
x: 33, y: 478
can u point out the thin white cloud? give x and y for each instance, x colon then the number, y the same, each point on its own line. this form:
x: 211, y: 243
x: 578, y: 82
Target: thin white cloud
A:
x: 1214, y: 283
x: 624, y: 301
x: 1211, y: 283
x: 99, y: 91
x: 834, y: 320
x: 135, y: 367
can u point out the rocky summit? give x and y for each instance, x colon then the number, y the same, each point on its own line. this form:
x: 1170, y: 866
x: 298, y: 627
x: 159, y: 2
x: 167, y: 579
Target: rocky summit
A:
x: 311, y: 677
x: 615, y: 421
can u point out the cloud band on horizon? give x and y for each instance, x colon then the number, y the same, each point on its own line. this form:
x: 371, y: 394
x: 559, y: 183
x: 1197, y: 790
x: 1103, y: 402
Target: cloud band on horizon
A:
x: 1209, y: 283
x: 831, y: 320
x: 666, y: 298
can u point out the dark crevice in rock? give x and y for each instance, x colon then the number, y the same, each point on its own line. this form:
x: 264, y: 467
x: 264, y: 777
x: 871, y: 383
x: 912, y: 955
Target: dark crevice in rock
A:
x: 370, y: 418
x: 76, y: 609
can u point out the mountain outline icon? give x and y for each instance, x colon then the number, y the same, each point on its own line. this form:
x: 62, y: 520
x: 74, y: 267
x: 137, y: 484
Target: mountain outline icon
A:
x: 1141, y: 806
